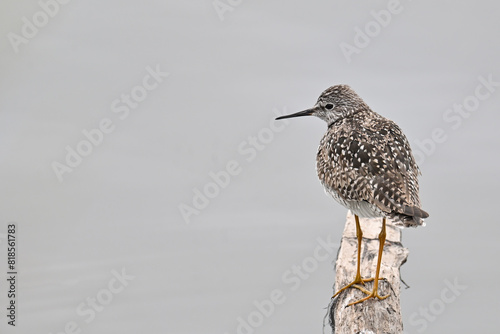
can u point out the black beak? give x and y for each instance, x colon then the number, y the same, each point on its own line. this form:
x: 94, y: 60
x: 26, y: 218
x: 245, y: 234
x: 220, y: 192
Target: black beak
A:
x: 307, y: 112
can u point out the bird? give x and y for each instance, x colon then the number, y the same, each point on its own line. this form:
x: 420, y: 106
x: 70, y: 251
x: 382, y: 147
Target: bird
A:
x: 364, y: 161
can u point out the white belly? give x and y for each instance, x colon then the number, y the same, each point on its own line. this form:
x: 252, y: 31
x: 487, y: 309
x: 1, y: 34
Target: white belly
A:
x: 361, y: 209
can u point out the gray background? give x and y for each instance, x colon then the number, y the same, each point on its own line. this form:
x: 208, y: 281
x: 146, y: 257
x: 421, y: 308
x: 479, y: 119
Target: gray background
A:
x: 120, y: 207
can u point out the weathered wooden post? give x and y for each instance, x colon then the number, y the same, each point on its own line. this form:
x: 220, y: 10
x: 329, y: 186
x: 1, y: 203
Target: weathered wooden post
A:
x: 372, y: 316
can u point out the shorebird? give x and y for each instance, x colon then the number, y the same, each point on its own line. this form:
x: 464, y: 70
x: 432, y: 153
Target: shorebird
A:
x: 365, y: 163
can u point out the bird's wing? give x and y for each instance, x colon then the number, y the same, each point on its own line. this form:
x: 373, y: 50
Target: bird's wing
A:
x: 374, y: 166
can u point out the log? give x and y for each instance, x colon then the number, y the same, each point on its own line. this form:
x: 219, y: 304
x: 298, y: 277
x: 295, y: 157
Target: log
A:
x: 373, y: 315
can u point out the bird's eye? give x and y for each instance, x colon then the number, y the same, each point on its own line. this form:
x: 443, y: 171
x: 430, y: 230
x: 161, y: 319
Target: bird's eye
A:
x: 329, y: 106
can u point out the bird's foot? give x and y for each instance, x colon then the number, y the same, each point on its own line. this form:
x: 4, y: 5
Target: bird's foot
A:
x: 373, y: 294
x: 357, y: 280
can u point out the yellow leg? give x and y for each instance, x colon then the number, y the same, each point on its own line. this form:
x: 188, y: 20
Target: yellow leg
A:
x: 374, y: 293
x: 357, y: 279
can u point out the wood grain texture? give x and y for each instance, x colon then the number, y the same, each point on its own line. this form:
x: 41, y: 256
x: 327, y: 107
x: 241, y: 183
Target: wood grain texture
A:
x: 373, y: 315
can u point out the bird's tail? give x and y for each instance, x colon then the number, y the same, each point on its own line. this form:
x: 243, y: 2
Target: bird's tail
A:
x: 412, y: 216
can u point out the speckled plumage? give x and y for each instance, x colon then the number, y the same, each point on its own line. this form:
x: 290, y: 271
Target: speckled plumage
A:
x: 364, y: 160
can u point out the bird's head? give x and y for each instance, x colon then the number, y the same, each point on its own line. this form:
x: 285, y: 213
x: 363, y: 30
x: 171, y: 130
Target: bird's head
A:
x: 336, y: 102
